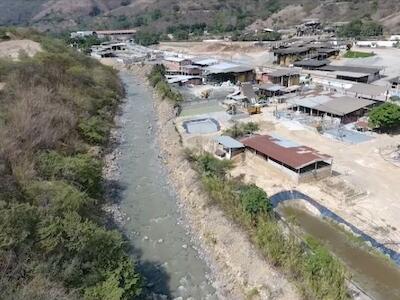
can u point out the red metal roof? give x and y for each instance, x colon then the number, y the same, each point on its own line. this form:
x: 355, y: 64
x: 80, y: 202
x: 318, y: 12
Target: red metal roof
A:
x: 284, y: 151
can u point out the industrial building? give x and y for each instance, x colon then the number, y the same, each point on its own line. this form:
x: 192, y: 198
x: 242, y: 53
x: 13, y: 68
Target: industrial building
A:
x: 354, y: 73
x: 287, y: 56
x: 285, y: 77
x: 369, y: 91
x: 227, y: 71
x: 174, y: 64
x: 345, y: 108
x: 300, y: 163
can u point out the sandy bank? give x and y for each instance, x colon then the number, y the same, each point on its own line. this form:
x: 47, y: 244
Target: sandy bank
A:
x: 238, y: 268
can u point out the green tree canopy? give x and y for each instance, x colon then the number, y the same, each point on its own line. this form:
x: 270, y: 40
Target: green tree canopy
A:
x: 255, y: 201
x: 385, y: 117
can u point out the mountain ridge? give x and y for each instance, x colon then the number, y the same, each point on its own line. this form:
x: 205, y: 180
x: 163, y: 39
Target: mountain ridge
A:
x: 58, y: 15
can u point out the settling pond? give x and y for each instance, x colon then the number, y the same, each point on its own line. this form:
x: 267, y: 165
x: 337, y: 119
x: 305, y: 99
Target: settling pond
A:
x: 372, y: 272
x: 166, y: 254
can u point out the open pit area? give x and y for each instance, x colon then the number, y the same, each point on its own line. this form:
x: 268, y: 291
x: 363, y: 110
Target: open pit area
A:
x: 249, y: 53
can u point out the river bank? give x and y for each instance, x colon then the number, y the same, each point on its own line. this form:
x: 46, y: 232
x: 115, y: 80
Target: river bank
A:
x: 238, y: 269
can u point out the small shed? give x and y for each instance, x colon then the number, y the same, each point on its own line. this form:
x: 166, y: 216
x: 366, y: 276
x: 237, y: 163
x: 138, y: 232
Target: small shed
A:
x: 228, y: 147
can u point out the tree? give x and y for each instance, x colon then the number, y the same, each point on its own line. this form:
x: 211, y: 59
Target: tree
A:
x: 211, y: 166
x: 385, y: 117
x: 241, y: 129
x: 255, y: 201
x: 358, y: 28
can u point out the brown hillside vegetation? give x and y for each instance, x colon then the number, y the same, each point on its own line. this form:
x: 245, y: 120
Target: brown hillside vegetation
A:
x: 57, y: 14
x: 56, y: 108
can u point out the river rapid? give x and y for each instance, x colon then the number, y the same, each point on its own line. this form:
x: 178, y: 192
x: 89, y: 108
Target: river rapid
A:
x: 167, y: 255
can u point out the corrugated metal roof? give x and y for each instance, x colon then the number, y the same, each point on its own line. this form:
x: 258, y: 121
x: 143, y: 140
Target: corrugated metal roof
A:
x: 351, y: 74
x: 229, y: 142
x: 311, y: 63
x: 227, y: 68
x: 368, y: 89
x: 206, y: 61
x: 175, y: 59
x: 340, y: 106
x: 354, y: 69
x: 285, y: 72
x: 292, y: 50
x: 292, y: 155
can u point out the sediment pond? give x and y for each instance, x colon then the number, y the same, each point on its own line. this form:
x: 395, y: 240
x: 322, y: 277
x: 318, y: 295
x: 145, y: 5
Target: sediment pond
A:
x: 167, y: 256
x: 372, y: 272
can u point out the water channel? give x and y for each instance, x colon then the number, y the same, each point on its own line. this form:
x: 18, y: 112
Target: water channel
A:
x: 167, y: 256
x: 377, y: 276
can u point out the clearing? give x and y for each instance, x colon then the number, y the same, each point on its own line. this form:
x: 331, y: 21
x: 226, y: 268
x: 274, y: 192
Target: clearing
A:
x: 11, y: 49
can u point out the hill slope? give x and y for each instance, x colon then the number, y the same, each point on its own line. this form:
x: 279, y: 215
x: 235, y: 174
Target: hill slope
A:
x: 74, y: 14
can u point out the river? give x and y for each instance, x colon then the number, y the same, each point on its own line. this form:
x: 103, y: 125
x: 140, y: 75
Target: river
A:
x: 167, y: 256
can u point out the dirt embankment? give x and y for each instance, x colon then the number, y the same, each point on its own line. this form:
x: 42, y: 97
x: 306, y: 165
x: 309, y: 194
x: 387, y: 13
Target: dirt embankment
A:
x: 12, y: 49
x: 239, y: 270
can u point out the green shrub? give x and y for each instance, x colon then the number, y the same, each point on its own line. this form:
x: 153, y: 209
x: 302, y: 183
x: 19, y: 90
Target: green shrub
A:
x: 86, y: 255
x: 255, y: 201
x: 157, y: 80
x: 211, y: 166
x: 94, y: 130
x: 82, y: 170
x: 59, y: 198
x: 18, y: 226
x: 239, y: 130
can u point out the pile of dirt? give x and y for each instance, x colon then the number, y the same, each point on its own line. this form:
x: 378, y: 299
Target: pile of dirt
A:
x: 12, y: 49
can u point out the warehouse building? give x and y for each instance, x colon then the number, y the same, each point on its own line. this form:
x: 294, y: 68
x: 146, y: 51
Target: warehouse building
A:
x: 354, y: 73
x: 299, y: 163
x: 345, y: 108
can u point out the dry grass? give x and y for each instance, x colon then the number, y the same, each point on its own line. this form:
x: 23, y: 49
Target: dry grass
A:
x: 35, y: 121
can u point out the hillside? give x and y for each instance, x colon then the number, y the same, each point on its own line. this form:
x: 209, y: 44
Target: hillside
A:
x: 56, y: 112
x: 223, y: 15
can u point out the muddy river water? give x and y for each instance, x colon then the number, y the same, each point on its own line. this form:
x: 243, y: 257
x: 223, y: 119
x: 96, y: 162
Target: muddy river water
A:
x: 373, y: 273
x: 167, y: 256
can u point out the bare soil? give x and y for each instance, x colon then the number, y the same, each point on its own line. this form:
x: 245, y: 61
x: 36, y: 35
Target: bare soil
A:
x: 12, y: 49
x: 364, y: 189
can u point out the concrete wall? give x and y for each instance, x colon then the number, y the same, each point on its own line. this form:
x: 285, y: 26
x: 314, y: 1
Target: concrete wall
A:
x: 315, y: 175
x: 374, y: 44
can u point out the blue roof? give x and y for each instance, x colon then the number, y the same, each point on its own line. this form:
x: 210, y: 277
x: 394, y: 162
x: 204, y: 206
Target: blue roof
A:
x: 228, y: 142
